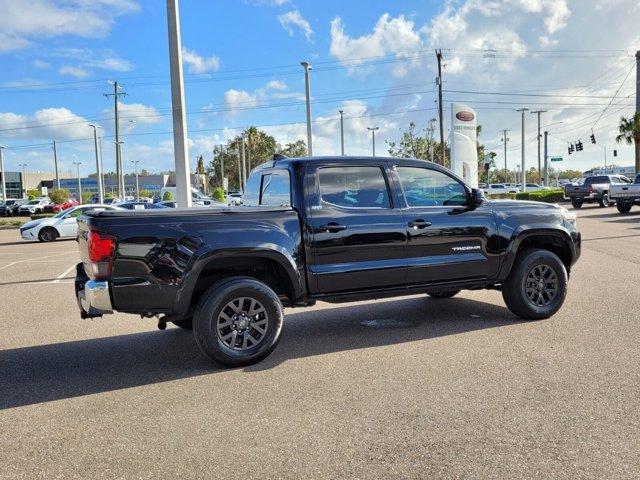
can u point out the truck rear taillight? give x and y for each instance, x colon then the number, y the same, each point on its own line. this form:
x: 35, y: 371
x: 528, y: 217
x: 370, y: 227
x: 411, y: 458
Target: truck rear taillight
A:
x: 590, y: 188
x: 101, y: 249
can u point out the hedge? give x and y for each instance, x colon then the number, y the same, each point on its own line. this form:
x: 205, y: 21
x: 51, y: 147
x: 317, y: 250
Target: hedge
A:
x: 547, y: 196
x: 38, y: 216
x: 509, y: 196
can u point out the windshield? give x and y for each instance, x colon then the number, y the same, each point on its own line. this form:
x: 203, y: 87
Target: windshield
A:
x: 62, y: 213
x: 636, y: 181
x: 596, y: 180
x: 34, y: 202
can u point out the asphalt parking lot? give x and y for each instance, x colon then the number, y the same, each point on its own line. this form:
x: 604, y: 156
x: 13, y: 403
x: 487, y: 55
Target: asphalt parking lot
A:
x: 397, y: 388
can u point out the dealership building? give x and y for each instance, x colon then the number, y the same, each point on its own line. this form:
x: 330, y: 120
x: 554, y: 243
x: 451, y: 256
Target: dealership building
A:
x: 16, y: 188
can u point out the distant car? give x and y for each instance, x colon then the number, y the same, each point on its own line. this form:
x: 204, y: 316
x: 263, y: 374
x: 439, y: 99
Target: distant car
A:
x: 495, y: 188
x: 9, y: 208
x: 62, y: 225
x: 139, y: 205
x: 33, y: 206
x: 168, y: 203
x: 626, y: 195
x: 533, y: 187
x: 58, y: 207
x: 234, y: 198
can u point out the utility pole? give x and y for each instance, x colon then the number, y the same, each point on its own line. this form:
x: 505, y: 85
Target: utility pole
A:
x: 101, y: 163
x: 98, y: 169
x: 23, y: 179
x: 77, y: 164
x: 307, y: 67
x: 341, y: 131
x: 244, y: 162
x: 440, y: 112
x: 524, y: 167
x: 55, y: 163
x: 546, y: 160
x: 116, y: 94
x: 4, y: 186
x: 373, y: 138
x: 637, y: 162
x: 135, y: 162
x: 240, y: 167
x: 180, y: 147
x: 120, y: 177
x: 505, y: 139
x: 538, y: 112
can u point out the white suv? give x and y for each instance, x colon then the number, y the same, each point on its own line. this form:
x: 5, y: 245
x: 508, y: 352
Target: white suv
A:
x: 33, y: 206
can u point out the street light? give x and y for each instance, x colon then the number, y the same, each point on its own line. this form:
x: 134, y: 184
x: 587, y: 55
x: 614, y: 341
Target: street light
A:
x: 4, y: 188
x: 307, y: 67
x: 98, y: 169
x: 136, y: 162
x: 524, y: 167
x: 24, y: 179
x: 121, y: 192
x: 373, y: 138
x: 342, y: 131
x: 77, y: 164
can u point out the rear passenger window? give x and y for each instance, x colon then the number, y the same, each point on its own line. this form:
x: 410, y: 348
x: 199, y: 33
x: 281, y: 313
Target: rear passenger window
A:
x: 276, y: 189
x: 354, y: 187
x: 251, y: 193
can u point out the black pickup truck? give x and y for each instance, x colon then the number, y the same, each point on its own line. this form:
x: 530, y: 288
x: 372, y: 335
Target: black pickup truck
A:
x: 334, y: 229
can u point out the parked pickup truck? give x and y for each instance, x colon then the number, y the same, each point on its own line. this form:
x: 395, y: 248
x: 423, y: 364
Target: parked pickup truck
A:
x: 594, y: 189
x: 334, y: 229
x: 626, y: 195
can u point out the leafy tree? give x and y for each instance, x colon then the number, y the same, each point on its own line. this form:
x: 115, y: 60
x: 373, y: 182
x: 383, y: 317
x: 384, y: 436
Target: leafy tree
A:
x: 108, y: 195
x: 144, y: 172
x: 59, y: 195
x: 167, y: 197
x: 294, y: 149
x: 33, y: 193
x: 218, y: 194
x: 86, y: 197
x: 629, y: 132
x: 146, y: 193
x: 200, y: 165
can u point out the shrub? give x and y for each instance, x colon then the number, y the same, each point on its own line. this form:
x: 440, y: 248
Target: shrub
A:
x: 510, y: 196
x: 34, y: 193
x: 146, y: 193
x: 59, y: 195
x: 167, y: 197
x: 548, y: 196
x: 38, y: 216
x: 108, y: 195
x: 218, y: 194
x: 86, y: 197
x: 11, y: 223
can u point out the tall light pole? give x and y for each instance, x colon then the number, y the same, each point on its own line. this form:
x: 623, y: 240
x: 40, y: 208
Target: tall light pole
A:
x: 524, y: 167
x: 55, y: 163
x: 341, y: 132
x: 180, y: 147
x: 116, y: 94
x: 77, y: 164
x: 24, y: 179
x: 98, y: 169
x: 4, y: 187
x: 307, y: 67
x: 373, y: 138
x: 136, y: 162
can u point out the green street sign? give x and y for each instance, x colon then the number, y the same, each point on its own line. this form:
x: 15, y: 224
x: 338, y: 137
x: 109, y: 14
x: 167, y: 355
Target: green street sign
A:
x: 556, y: 159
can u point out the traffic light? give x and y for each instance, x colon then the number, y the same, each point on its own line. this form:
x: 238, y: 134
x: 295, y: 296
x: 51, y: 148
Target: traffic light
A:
x: 569, y: 150
x: 615, y: 153
x: 578, y: 146
x: 593, y: 138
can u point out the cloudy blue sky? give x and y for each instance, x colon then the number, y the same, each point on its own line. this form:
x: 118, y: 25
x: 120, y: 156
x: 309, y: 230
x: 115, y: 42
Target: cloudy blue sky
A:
x: 373, y: 59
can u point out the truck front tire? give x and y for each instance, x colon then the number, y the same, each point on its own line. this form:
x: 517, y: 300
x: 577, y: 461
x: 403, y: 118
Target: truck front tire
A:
x: 537, y: 285
x: 624, y: 207
x: 238, y: 322
x: 576, y: 203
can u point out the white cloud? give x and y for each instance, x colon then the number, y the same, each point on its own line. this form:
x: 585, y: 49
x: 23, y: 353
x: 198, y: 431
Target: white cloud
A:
x: 395, y: 36
x: 38, y: 63
x: 276, y: 85
x: 198, y: 63
x: 293, y: 19
x: 59, y: 123
x: 48, y: 18
x: 238, y: 99
x: 77, y: 72
x: 87, y: 58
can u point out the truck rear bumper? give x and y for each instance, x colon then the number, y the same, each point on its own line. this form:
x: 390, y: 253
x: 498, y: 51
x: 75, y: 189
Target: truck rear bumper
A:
x: 93, y: 296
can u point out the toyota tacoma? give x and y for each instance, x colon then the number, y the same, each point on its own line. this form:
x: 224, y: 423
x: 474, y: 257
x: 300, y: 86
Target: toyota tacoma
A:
x: 334, y: 229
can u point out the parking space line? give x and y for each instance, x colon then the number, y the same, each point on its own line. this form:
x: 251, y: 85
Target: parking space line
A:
x: 8, y: 265
x: 64, y: 274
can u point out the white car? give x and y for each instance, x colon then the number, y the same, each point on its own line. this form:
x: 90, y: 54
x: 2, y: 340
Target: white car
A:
x: 33, y: 206
x: 495, y: 188
x: 61, y: 225
x: 533, y: 187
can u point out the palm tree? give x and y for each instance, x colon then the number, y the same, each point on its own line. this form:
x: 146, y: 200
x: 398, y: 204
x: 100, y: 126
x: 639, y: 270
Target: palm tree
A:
x: 629, y: 132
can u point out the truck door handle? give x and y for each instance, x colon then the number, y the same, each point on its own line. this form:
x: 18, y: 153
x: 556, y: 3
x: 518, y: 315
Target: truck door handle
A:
x: 418, y: 224
x: 331, y: 227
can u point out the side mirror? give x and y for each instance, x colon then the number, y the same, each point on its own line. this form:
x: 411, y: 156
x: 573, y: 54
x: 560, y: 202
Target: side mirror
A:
x: 477, y: 197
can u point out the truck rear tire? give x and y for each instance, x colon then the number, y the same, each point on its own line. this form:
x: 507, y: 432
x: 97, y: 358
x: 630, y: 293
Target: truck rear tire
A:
x: 238, y: 322
x: 604, y: 201
x: 576, y: 203
x: 537, y: 285
x: 624, y: 207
